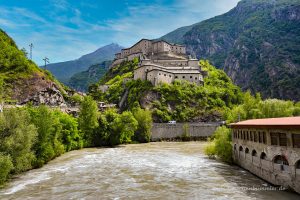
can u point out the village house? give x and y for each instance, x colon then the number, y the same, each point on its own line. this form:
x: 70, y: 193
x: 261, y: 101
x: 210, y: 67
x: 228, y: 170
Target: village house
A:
x: 270, y: 149
x: 161, y: 62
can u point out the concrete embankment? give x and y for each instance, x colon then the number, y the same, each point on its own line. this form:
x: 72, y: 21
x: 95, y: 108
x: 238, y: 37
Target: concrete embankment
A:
x: 163, y: 131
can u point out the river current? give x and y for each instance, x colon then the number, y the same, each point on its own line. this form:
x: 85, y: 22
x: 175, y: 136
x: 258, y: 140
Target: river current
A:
x: 165, y: 170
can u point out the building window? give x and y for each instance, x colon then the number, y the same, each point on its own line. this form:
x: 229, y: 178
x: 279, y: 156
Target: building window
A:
x: 296, y: 140
x: 159, y: 74
x: 297, y: 165
x: 247, y: 150
x: 263, y: 156
x: 264, y: 137
x: 278, y: 139
x: 282, y: 139
x: 281, y: 160
x: 254, y: 153
x: 274, y: 138
x: 176, y: 76
x: 191, y: 77
x: 251, y: 136
x: 195, y: 78
x: 241, y: 148
x: 183, y: 77
x: 255, y: 136
x: 165, y: 75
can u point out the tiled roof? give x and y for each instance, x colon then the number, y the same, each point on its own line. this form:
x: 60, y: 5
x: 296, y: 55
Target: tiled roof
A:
x: 282, y: 121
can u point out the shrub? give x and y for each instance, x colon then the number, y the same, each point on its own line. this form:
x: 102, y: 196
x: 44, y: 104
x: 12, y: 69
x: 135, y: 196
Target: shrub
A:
x: 144, y: 119
x: 220, y: 146
x: 6, y: 166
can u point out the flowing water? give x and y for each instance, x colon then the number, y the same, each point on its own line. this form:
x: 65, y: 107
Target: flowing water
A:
x: 142, y: 171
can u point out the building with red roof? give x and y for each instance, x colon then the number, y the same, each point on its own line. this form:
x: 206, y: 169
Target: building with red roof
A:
x: 270, y: 149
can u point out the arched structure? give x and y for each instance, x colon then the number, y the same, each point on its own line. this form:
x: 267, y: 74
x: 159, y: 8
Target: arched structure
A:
x: 263, y: 156
x: 254, y: 153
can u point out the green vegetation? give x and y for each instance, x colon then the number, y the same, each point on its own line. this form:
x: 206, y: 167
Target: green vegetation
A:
x: 144, y: 119
x: 181, y: 101
x: 256, y: 43
x: 16, y: 70
x: 88, y: 119
x: 220, y: 145
x: 82, y: 80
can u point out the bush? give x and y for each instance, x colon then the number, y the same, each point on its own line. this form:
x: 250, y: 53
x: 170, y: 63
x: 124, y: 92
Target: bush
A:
x: 186, y: 133
x: 144, y: 119
x: 6, y: 167
x: 220, y: 145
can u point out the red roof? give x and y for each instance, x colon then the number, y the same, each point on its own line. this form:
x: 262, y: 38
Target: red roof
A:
x: 282, y: 121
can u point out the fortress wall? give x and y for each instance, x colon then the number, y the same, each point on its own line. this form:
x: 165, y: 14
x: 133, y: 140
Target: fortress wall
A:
x: 171, y: 131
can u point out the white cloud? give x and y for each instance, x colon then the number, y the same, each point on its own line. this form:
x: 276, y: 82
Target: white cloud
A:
x: 64, y: 34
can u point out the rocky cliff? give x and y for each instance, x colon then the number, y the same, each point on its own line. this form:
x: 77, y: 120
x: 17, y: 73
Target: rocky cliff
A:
x: 22, y: 81
x: 257, y: 43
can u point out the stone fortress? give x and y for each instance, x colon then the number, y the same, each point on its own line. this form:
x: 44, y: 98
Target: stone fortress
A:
x: 161, y: 62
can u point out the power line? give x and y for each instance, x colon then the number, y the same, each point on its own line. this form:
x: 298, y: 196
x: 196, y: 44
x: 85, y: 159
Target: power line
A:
x: 46, y: 61
x: 31, y: 46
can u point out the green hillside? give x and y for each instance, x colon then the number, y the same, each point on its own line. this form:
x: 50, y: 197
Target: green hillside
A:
x: 181, y: 101
x: 20, y: 76
x: 82, y: 80
x: 257, y: 44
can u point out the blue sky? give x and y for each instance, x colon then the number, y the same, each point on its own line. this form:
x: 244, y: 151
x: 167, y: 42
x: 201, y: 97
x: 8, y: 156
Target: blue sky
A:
x: 66, y: 29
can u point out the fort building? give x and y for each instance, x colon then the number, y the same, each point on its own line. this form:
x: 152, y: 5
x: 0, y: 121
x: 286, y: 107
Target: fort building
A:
x: 161, y: 62
x: 270, y: 149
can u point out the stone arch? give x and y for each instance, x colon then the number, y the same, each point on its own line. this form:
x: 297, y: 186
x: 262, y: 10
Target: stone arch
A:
x: 279, y: 159
x: 297, y: 164
x: 247, y: 150
x: 240, y: 148
x: 263, y: 156
x: 254, y: 153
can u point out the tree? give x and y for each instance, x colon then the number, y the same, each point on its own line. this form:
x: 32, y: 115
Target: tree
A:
x: 144, y: 119
x: 220, y: 145
x: 6, y: 166
x: 24, y: 51
x: 70, y: 136
x: 48, y: 144
x: 123, y: 128
x: 88, y: 120
x: 17, y: 137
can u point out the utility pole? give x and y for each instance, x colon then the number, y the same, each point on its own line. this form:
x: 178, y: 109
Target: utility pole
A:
x: 31, y: 46
x: 46, y: 61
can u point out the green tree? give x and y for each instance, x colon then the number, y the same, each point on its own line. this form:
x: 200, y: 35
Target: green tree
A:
x: 48, y: 144
x: 70, y: 136
x: 88, y: 120
x: 123, y: 128
x: 144, y: 119
x: 220, y: 145
x: 6, y: 167
x: 17, y: 137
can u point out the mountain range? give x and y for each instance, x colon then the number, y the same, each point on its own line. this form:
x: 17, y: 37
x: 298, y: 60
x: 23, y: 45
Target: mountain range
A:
x: 81, y: 80
x: 257, y: 43
x: 63, y: 71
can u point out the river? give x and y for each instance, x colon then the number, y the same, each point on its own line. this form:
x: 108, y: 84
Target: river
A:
x: 165, y: 170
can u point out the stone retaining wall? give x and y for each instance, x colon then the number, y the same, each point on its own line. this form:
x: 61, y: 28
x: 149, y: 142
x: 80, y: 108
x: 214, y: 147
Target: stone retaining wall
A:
x: 171, y: 131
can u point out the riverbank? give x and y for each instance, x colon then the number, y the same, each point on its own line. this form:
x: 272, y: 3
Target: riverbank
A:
x: 160, y: 170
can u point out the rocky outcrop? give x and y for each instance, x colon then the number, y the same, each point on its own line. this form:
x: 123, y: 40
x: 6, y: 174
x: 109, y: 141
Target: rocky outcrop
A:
x: 257, y: 43
x: 37, y: 90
